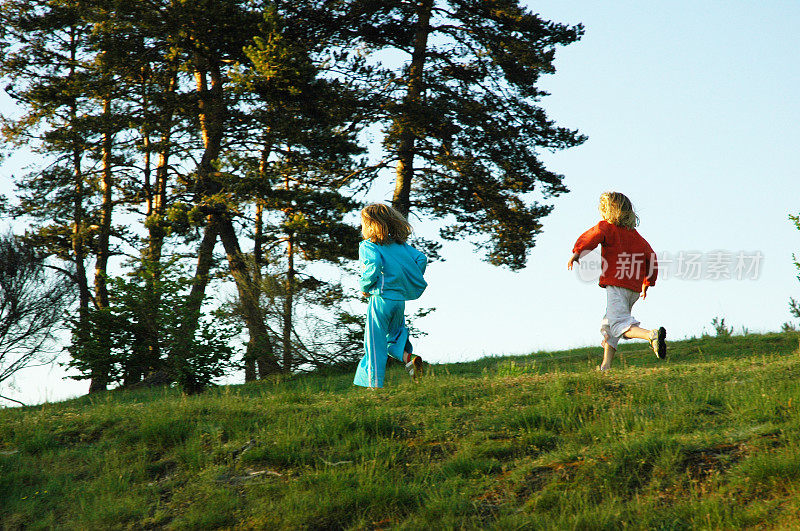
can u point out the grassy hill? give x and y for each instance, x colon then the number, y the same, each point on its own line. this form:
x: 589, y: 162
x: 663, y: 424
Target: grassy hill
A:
x: 708, y: 439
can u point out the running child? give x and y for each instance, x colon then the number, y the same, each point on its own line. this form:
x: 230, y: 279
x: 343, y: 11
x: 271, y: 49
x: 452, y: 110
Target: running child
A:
x: 392, y: 274
x: 629, y: 269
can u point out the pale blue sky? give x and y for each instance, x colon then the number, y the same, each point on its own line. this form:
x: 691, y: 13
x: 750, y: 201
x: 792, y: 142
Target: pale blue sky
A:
x: 691, y: 110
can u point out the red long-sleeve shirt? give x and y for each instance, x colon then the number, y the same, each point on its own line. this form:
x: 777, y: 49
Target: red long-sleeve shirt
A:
x: 628, y: 259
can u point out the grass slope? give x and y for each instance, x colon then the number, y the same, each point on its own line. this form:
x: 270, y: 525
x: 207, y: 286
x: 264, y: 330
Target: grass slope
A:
x: 708, y: 439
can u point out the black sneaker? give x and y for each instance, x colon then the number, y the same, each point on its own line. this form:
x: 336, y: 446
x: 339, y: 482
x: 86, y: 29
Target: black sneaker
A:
x: 658, y: 340
x: 414, y: 367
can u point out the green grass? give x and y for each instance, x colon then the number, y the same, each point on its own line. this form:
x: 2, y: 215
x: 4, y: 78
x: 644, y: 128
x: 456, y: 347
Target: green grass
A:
x: 708, y: 439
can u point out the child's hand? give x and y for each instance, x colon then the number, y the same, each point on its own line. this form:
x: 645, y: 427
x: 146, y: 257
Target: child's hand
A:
x: 644, y: 292
x: 365, y: 294
x: 574, y: 259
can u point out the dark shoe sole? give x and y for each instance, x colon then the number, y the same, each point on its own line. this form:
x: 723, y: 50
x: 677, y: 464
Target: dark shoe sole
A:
x: 418, y: 370
x: 662, y: 343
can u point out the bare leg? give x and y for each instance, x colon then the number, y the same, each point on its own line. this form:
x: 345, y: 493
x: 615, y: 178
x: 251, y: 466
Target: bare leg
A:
x: 608, y: 356
x: 635, y: 332
x: 656, y: 338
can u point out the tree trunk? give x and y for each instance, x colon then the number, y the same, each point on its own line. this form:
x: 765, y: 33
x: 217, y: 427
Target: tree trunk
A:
x: 205, y: 258
x: 104, y: 233
x: 194, y: 302
x: 77, y: 230
x: 259, y: 344
x: 212, y: 114
x: 258, y: 264
x: 100, y: 379
x: 97, y: 381
x: 288, y: 291
x: 287, y: 306
x: 401, y: 200
x: 77, y: 240
x: 151, y: 254
x: 258, y: 242
x: 258, y: 246
x: 146, y: 336
x: 211, y: 106
x: 79, y: 252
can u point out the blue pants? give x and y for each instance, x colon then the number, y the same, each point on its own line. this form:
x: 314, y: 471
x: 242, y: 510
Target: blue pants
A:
x: 385, y: 335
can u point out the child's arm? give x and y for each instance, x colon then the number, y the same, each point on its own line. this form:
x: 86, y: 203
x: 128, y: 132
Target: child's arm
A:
x: 651, y: 267
x: 586, y: 242
x: 573, y: 259
x: 370, y: 260
x: 420, y: 259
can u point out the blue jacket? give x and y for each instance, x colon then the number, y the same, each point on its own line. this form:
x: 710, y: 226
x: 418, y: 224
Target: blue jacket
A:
x: 393, y: 271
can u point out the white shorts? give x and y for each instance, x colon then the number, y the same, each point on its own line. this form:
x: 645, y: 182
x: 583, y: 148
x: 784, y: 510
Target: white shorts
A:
x: 618, y: 318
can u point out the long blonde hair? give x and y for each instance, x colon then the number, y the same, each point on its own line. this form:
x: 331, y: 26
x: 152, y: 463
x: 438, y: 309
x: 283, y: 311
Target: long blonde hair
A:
x: 617, y: 209
x: 383, y: 224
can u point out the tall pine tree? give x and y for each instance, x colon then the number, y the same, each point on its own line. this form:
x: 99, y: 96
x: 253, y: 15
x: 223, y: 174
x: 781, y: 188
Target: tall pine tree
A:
x: 463, y: 118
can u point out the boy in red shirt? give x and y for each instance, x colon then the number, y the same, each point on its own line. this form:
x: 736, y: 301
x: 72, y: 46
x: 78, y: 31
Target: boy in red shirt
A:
x: 629, y: 268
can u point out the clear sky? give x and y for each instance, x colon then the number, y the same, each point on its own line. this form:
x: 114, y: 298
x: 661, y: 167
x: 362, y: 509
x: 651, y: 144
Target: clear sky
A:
x: 691, y: 109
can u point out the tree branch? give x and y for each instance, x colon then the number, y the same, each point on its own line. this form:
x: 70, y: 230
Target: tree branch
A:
x: 13, y: 400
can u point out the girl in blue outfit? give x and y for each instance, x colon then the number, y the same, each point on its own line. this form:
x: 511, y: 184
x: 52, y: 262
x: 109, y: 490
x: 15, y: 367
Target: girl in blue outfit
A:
x: 392, y: 274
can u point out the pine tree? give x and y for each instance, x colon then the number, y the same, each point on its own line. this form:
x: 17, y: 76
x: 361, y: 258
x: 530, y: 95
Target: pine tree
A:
x: 52, y: 74
x: 303, y: 160
x: 134, y: 107
x: 463, y: 119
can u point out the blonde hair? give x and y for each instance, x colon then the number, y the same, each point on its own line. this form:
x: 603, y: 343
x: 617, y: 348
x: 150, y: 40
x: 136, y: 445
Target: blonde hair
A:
x: 617, y: 209
x: 383, y: 224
